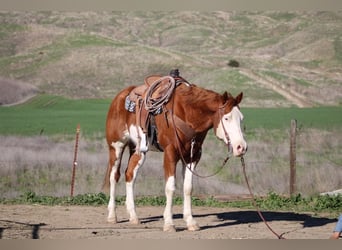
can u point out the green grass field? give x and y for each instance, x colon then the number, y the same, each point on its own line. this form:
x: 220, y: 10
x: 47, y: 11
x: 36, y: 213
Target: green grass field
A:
x: 279, y: 118
x: 53, y: 115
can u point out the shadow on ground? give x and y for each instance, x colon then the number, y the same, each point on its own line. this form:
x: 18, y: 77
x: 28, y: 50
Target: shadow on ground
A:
x: 244, y: 217
x: 222, y: 219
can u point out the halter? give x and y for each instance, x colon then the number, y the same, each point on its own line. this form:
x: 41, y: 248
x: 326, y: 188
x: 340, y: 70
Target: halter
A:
x: 221, y: 114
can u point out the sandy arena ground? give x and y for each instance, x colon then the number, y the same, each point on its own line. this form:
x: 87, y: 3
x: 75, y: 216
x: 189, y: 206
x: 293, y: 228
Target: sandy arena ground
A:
x: 86, y: 222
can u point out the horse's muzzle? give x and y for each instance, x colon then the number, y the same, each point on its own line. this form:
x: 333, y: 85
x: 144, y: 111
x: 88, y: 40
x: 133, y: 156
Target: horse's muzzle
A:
x: 240, y: 149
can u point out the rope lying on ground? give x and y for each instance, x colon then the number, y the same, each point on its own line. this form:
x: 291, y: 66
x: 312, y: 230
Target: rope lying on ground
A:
x: 254, y: 202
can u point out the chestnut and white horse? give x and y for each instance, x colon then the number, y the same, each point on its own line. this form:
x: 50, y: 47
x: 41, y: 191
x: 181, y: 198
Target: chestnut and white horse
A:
x: 182, y: 127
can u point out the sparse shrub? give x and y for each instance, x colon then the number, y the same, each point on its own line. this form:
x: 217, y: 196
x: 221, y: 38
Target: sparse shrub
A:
x: 89, y: 199
x: 233, y: 63
x: 273, y: 201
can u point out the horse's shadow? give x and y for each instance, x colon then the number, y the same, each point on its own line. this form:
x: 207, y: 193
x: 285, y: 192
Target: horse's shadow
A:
x: 245, y: 217
x: 225, y: 219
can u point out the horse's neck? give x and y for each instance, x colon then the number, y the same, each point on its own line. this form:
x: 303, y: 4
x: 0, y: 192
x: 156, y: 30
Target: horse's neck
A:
x: 199, y: 109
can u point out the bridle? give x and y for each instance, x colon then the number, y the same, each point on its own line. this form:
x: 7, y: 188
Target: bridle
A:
x: 221, y: 114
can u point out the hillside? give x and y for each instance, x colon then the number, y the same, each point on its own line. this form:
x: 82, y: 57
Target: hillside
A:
x: 286, y: 58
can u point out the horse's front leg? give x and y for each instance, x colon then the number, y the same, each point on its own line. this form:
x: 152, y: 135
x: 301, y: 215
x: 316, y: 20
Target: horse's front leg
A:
x: 170, y: 187
x: 135, y: 162
x: 187, y: 190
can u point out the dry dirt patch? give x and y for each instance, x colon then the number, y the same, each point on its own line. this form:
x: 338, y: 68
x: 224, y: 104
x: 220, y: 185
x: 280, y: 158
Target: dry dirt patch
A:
x: 14, y: 92
x: 86, y: 222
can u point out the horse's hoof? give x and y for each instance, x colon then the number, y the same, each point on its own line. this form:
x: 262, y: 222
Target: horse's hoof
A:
x: 135, y: 221
x: 169, y: 228
x: 194, y: 227
x: 112, y: 220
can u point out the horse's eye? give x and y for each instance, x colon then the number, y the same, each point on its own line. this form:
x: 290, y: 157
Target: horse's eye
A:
x: 227, y: 117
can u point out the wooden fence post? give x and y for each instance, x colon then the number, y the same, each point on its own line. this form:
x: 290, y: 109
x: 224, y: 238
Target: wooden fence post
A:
x: 293, y: 157
x: 75, y: 161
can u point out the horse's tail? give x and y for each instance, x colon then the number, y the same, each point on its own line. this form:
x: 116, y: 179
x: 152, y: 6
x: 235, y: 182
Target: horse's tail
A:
x: 113, y: 131
x: 113, y: 159
x: 106, y: 180
x: 114, y: 127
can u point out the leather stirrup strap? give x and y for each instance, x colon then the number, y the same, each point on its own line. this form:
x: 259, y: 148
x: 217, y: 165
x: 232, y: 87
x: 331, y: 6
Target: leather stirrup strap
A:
x: 183, y: 127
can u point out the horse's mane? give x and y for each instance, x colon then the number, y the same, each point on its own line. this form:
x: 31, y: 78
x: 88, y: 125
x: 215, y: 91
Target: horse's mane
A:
x: 200, y: 96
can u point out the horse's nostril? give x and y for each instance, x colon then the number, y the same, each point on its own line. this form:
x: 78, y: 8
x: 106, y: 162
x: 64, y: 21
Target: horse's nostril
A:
x: 240, y: 149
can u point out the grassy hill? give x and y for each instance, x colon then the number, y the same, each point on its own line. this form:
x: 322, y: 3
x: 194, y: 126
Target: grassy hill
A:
x: 286, y: 58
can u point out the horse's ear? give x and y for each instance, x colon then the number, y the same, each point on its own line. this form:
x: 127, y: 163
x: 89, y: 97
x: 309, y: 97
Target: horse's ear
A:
x: 226, y: 96
x: 239, y: 98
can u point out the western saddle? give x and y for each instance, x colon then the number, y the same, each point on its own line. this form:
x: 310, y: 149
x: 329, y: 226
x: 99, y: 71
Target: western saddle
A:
x: 148, y: 100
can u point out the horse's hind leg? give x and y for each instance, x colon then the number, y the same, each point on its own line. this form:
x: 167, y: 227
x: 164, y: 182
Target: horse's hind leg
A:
x: 135, y: 162
x: 115, y: 155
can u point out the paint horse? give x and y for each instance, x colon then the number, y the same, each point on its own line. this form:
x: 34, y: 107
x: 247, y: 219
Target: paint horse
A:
x: 182, y: 124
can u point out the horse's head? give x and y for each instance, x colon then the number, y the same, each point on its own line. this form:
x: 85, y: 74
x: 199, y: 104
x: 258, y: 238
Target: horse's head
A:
x: 228, y: 124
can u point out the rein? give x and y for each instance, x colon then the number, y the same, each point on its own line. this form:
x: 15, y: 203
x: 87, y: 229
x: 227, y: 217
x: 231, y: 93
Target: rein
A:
x: 254, y: 202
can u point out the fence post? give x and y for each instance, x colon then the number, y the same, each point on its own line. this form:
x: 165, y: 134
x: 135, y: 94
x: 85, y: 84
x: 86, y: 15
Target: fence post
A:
x: 293, y: 156
x: 75, y: 161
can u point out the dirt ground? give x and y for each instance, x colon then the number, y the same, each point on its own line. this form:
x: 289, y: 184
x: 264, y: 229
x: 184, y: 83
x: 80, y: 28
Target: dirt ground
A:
x: 86, y: 222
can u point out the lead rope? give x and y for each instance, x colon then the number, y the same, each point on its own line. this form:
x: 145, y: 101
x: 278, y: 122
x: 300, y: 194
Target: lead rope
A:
x: 254, y: 202
x: 204, y: 176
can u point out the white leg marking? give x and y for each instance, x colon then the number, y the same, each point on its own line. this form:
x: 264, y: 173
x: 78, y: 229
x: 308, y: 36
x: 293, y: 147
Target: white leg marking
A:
x: 111, y: 204
x: 130, y: 205
x: 187, y: 190
x: 170, y: 188
x: 118, y: 146
x: 136, y: 132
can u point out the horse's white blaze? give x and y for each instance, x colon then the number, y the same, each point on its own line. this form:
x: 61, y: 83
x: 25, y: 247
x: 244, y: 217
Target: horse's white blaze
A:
x: 232, y: 124
x: 130, y: 192
x: 118, y: 146
x: 136, y: 133
x: 170, y: 187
